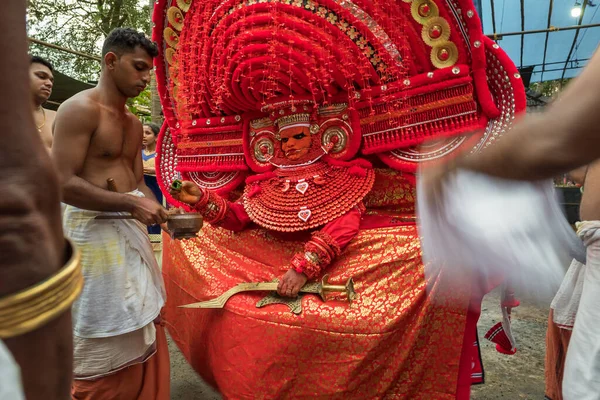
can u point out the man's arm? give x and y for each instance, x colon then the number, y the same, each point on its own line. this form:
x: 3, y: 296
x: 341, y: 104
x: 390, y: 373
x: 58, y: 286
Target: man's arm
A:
x: 234, y: 217
x: 578, y: 175
x: 74, y: 126
x: 564, y: 137
x: 31, y: 241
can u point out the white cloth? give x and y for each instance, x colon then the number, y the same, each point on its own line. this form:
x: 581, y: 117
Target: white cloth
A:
x: 582, y: 365
x: 98, y: 357
x: 496, y: 227
x: 10, y: 376
x: 123, y: 289
x: 566, y: 301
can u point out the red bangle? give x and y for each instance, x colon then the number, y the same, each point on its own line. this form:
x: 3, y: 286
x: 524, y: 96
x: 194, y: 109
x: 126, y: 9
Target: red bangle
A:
x: 328, y: 242
x: 298, y: 263
x: 311, y: 269
x: 212, y: 207
x: 199, y: 206
x: 303, y: 265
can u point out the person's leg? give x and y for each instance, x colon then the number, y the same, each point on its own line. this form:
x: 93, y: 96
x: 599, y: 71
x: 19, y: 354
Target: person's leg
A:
x: 557, y: 342
x: 582, y: 366
x: 150, y: 380
x: 125, y: 384
x: 157, y: 375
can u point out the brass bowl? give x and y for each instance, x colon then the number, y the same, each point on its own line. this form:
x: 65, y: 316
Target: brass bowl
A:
x: 184, y: 226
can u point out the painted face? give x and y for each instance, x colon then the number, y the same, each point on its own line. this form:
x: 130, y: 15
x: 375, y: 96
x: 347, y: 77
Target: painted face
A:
x: 295, y: 142
x: 41, y: 80
x: 149, y: 138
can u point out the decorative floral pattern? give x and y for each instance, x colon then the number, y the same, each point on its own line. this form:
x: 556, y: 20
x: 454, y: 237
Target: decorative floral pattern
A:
x: 394, y: 341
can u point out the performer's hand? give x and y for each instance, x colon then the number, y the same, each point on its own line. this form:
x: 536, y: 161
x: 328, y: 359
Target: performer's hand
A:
x: 148, y: 211
x: 291, y: 283
x: 189, y: 193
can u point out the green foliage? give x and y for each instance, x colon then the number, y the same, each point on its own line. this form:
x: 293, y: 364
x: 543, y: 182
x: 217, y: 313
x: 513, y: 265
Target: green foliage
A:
x: 549, y: 88
x: 141, y: 105
x: 82, y: 25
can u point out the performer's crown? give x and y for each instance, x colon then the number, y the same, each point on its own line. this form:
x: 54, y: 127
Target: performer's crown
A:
x: 293, y: 119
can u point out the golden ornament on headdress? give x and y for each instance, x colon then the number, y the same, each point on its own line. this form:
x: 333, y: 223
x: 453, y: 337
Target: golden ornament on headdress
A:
x: 184, y: 5
x: 260, y: 123
x: 169, y: 54
x: 435, y: 31
x: 174, y: 90
x: 292, y: 119
x: 444, y: 55
x: 339, y: 143
x: 171, y: 37
x: 175, y: 17
x: 264, y: 149
x: 422, y: 10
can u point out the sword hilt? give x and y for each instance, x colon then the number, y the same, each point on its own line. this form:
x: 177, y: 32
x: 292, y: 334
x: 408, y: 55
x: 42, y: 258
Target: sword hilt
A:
x: 348, y: 288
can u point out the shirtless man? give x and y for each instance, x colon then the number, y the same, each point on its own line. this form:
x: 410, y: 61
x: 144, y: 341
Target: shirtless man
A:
x: 41, y: 77
x: 562, y: 309
x: 541, y: 146
x: 119, y: 351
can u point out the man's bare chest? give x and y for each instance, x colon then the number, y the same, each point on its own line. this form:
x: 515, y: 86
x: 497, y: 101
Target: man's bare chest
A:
x: 115, y: 140
x: 46, y: 135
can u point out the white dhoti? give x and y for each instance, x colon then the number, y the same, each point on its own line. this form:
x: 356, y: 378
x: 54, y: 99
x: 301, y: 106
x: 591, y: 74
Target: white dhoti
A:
x: 10, y: 376
x: 566, y: 301
x: 122, y: 295
x: 582, y: 365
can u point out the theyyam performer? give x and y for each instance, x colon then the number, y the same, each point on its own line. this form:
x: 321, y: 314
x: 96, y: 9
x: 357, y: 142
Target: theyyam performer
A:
x: 297, y: 127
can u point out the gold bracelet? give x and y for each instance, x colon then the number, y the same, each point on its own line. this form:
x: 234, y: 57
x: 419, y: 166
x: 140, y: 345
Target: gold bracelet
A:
x: 35, y: 306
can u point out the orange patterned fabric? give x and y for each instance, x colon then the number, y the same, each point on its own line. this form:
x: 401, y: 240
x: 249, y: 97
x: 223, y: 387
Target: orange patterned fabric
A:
x: 392, y: 342
x: 146, y: 381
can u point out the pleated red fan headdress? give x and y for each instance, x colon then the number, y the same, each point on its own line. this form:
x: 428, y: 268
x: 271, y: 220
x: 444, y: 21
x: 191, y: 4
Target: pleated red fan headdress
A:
x: 405, y: 81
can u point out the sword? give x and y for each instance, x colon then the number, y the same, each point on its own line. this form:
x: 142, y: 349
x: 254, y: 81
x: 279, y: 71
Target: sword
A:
x: 320, y: 288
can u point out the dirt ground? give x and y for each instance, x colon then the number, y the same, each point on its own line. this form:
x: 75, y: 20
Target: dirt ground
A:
x: 520, y: 376
x: 185, y: 383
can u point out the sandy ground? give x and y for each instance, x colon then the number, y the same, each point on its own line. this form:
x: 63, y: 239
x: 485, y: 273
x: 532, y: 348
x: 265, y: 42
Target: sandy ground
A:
x: 520, y: 376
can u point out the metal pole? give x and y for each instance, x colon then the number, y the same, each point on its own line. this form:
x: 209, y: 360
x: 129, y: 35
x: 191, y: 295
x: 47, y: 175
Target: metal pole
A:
x: 499, y: 36
x: 522, y: 28
x: 493, y: 16
x: 53, y: 46
x: 576, y: 61
x: 559, y: 69
x: 575, y: 38
x: 547, y: 34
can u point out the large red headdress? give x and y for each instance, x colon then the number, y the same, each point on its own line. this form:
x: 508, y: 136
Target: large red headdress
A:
x: 375, y: 76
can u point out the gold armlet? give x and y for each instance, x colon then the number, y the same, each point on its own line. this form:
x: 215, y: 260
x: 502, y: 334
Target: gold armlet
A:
x: 35, y: 306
